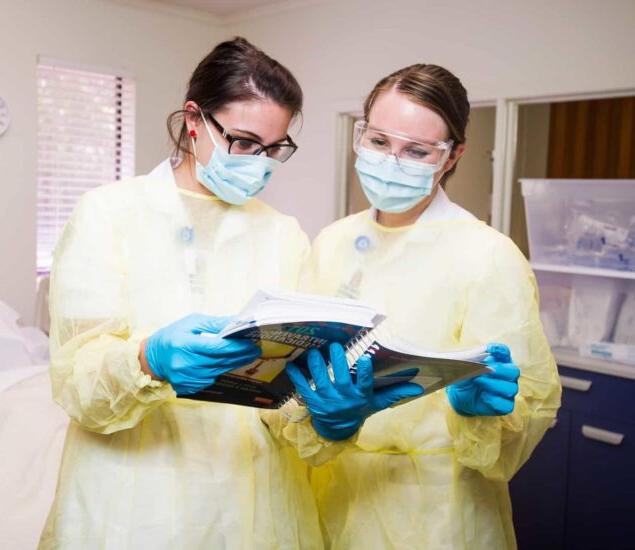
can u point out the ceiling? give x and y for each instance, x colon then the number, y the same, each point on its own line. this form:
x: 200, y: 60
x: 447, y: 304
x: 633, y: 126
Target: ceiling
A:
x: 222, y: 8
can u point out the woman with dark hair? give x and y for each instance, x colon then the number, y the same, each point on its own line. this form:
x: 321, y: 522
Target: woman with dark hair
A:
x: 431, y: 473
x: 142, y: 469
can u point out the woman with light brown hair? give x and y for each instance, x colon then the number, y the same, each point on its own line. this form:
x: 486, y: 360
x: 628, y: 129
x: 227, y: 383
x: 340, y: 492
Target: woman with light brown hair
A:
x: 433, y: 472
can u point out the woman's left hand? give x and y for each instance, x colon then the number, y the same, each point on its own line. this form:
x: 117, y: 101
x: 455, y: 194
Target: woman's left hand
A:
x: 490, y: 394
x: 339, y: 407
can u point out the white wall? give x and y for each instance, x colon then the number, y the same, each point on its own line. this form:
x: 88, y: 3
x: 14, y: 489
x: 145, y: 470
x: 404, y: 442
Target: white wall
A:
x: 159, y: 49
x: 499, y: 48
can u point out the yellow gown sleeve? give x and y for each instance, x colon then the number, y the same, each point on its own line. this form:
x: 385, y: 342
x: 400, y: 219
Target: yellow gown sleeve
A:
x: 95, y: 371
x: 292, y: 427
x: 502, y: 306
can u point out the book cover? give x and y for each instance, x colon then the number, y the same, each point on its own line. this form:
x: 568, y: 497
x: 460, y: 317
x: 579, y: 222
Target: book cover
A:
x: 264, y: 383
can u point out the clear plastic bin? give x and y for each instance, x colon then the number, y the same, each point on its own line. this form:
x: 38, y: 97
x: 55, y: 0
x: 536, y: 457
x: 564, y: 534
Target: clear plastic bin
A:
x: 588, y: 223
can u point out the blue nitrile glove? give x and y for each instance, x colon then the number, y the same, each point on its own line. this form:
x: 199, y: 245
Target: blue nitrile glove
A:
x: 338, y: 408
x: 189, y: 359
x: 490, y: 394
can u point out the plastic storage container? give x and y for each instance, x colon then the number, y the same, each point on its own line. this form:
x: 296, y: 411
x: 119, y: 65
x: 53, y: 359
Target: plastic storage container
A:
x: 589, y: 223
x: 582, y: 247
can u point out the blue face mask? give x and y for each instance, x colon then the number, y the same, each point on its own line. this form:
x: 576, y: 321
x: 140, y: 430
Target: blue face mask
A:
x: 234, y: 178
x: 387, y: 186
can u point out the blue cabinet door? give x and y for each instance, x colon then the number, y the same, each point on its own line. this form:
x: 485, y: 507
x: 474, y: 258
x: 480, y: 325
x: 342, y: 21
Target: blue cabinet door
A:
x: 539, y: 490
x: 601, y: 488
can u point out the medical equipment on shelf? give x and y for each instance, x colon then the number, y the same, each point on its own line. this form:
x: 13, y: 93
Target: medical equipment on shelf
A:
x: 593, y: 310
x: 625, y: 324
x: 595, y: 242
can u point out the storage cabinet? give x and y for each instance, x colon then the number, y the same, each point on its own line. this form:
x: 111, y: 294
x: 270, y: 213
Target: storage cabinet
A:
x: 539, y: 490
x: 601, y: 487
x: 577, y: 491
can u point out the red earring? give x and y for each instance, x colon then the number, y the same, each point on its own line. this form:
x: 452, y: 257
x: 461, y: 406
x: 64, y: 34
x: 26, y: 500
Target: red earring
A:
x: 193, y: 133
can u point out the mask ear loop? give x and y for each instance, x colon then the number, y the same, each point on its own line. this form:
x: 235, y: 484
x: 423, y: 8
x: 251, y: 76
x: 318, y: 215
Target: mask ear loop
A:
x: 194, y: 135
x: 209, y: 130
x: 445, y: 161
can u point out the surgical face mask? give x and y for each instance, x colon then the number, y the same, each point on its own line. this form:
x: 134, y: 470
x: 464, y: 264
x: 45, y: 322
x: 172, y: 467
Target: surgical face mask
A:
x: 234, y: 178
x: 387, y: 186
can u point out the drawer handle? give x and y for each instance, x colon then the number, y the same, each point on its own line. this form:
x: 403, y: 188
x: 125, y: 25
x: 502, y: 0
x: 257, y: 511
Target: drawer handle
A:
x: 577, y: 384
x: 603, y: 436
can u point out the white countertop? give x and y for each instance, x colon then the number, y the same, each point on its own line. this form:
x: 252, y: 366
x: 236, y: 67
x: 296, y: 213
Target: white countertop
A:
x: 566, y: 358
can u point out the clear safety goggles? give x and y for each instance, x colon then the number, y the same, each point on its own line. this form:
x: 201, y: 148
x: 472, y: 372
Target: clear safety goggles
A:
x: 410, y: 153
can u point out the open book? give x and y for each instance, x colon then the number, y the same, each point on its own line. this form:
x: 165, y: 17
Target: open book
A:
x: 285, y: 325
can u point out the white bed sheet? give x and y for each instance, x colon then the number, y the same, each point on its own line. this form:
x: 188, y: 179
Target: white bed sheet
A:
x: 32, y: 431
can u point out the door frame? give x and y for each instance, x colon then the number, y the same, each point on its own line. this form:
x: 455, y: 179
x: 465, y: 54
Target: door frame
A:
x: 506, y: 140
x: 345, y: 113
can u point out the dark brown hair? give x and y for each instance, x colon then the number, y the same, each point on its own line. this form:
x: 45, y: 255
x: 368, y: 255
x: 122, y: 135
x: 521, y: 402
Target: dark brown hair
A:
x: 234, y: 70
x: 435, y: 88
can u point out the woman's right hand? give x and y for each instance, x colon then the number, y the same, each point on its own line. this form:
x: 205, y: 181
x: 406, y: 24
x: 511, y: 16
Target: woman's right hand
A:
x: 190, y: 356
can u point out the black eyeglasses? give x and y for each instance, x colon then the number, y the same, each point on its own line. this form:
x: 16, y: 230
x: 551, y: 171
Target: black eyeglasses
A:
x: 245, y: 146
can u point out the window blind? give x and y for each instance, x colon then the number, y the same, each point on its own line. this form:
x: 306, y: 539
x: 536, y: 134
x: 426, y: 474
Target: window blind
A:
x: 85, y: 139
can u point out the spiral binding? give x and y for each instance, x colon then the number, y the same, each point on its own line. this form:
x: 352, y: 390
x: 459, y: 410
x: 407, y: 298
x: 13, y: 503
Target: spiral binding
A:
x: 365, y: 341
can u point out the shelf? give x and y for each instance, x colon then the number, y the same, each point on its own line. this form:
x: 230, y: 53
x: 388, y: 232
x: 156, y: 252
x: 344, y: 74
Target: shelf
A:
x: 582, y: 270
x: 570, y: 358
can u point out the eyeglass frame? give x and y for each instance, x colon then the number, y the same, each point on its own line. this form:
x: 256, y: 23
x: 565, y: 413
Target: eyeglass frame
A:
x: 262, y: 148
